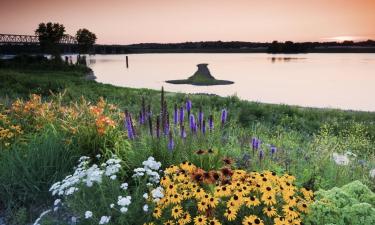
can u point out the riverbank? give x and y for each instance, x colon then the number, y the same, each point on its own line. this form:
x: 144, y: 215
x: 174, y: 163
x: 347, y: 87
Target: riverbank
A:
x: 62, y: 116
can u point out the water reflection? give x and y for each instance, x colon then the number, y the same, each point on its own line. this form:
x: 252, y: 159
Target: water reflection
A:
x: 319, y: 80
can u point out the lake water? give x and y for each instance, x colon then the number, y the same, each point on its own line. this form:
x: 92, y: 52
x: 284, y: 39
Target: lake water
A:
x: 345, y: 81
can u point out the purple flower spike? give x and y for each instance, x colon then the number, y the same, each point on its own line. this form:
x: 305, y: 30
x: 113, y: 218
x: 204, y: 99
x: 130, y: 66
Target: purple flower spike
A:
x: 224, y: 115
x: 211, y: 122
x: 188, y: 106
x: 170, y: 142
x: 158, y: 127
x: 175, y: 115
x: 182, y: 115
x: 200, y: 117
x: 192, y: 122
x: 128, y: 126
x: 141, y: 118
x: 204, y: 127
x: 254, y: 142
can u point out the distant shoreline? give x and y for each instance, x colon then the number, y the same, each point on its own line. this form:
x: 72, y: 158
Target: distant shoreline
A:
x: 252, y: 50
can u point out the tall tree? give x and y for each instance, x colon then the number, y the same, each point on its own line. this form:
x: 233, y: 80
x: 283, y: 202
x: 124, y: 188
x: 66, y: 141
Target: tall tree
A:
x: 50, y: 34
x: 86, y: 39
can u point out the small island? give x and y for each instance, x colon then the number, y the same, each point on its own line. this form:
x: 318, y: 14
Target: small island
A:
x: 202, y: 77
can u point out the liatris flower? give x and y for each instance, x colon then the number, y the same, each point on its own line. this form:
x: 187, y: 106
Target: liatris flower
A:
x: 192, y: 122
x: 200, y: 117
x: 143, y: 108
x: 132, y: 125
x: 181, y: 115
x: 175, y: 116
x: 211, y: 122
x: 224, y: 115
x: 253, y: 142
x: 204, y: 127
x: 158, y: 126
x: 150, y: 124
x: 128, y: 126
x: 170, y: 141
x: 166, y: 124
x: 141, y: 118
x: 188, y: 106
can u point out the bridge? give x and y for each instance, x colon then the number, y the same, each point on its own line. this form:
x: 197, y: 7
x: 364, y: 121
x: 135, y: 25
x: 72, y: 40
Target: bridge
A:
x: 31, y: 39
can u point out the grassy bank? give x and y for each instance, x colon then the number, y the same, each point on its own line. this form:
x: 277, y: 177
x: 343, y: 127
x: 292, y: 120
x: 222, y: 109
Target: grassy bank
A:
x: 60, y: 116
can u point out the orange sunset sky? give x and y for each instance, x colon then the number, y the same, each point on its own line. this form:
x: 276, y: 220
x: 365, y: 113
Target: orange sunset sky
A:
x: 136, y: 21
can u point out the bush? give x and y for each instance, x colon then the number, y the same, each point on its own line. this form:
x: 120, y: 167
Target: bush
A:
x: 352, y: 204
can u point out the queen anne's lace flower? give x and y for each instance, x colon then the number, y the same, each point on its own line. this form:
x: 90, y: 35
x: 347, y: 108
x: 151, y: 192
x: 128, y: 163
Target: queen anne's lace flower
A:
x: 88, y: 214
x: 104, y: 219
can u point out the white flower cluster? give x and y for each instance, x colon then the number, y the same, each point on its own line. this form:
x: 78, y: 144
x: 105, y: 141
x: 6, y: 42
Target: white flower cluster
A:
x: 104, y: 219
x: 124, y: 202
x: 85, y: 175
x: 150, y: 168
x: 341, y: 159
x: 157, y: 194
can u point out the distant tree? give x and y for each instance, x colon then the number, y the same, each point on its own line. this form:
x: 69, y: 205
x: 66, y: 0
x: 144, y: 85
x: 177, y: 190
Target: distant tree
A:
x: 50, y: 34
x: 85, y: 39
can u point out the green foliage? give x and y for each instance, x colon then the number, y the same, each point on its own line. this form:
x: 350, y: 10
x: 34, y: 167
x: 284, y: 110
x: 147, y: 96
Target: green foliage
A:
x: 85, y: 39
x: 352, y: 204
x: 49, y: 35
x: 27, y: 170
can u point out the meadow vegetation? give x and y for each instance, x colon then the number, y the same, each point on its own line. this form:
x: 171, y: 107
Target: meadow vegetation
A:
x: 74, y: 151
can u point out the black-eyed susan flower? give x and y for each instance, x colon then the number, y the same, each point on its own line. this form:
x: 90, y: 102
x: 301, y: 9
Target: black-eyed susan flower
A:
x: 202, y: 206
x: 186, y: 218
x: 200, y: 220
x: 270, y: 211
x: 252, y: 201
x: 230, y: 214
x: 169, y: 222
x: 157, y: 213
x: 177, y: 212
x: 214, y: 221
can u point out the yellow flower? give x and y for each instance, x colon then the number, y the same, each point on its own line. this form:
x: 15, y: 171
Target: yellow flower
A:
x: 202, y: 206
x: 212, y: 202
x: 157, y: 213
x: 230, y: 214
x: 214, y: 221
x: 290, y: 212
x: 270, y: 211
x: 252, y: 220
x: 177, y: 211
x: 252, y: 201
x: 186, y: 218
x: 268, y: 199
x: 169, y: 222
x: 200, y: 220
x: 307, y: 193
x: 176, y: 198
x: 303, y: 207
x: 280, y: 221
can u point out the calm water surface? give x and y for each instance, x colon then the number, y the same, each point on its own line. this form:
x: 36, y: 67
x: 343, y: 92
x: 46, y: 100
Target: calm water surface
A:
x: 345, y: 81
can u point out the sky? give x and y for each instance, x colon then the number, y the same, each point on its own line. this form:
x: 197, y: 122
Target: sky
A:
x: 165, y: 21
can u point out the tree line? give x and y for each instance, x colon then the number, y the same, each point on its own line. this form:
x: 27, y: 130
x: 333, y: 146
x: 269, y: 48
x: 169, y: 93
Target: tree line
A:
x: 50, y: 34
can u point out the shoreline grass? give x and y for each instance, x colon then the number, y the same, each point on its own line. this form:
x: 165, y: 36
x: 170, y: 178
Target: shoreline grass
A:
x: 68, y: 117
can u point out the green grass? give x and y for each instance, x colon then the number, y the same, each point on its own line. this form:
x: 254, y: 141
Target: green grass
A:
x: 305, y: 137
